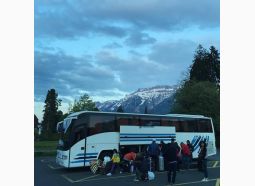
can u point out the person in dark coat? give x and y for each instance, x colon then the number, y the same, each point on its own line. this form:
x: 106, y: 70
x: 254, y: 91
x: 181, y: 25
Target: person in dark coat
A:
x: 141, y: 164
x: 179, y: 158
x: 162, y: 151
x: 203, y: 157
x: 171, y: 156
x: 153, y: 151
x: 191, y: 149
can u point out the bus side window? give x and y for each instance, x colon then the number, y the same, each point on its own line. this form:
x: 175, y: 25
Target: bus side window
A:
x: 135, y: 121
x: 185, y: 125
x: 181, y: 126
x: 192, y: 125
x: 165, y: 122
x: 147, y: 121
x: 124, y: 120
x: 101, y: 123
x: 204, y: 125
x: 177, y: 125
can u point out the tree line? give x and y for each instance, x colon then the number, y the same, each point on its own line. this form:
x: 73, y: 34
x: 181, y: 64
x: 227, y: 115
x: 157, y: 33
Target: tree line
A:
x: 199, y: 92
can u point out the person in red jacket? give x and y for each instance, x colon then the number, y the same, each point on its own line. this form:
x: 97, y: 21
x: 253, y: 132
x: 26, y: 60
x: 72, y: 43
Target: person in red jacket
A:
x: 128, y: 161
x: 185, y: 155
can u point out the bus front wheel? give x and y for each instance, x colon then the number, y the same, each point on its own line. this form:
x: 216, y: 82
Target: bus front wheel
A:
x: 105, y: 153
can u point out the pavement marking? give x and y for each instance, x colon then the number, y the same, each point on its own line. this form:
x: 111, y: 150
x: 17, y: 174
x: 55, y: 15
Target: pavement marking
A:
x: 186, y: 183
x: 216, y: 162
x: 188, y: 170
x: 213, y: 167
x: 217, y: 182
x: 106, y: 178
x: 68, y: 179
x: 54, y: 168
x: 124, y: 176
x: 80, y: 180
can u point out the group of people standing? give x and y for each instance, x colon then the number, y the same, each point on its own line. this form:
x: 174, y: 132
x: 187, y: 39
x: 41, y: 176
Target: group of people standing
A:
x: 175, y: 157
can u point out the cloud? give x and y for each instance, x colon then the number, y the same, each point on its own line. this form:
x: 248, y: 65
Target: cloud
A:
x: 72, y: 19
x: 64, y: 21
x: 137, y: 39
x: 135, y: 53
x: 134, y: 72
x: 176, y: 56
x: 113, y: 45
x: 68, y: 75
x: 173, y: 52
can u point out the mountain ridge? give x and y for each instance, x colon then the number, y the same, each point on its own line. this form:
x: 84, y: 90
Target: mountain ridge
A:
x: 158, y: 100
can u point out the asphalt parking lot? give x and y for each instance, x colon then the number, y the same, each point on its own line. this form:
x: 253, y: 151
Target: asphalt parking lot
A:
x: 47, y: 172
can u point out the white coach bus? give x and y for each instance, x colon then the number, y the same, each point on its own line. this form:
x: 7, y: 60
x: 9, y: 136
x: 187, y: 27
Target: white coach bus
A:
x: 87, y: 135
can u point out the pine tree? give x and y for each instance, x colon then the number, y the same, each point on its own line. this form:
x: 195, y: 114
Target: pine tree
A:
x: 50, y: 117
x: 35, y: 121
x: 120, y: 109
x: 214, y: 58
x: 206, y: 65
x: 199, y: 70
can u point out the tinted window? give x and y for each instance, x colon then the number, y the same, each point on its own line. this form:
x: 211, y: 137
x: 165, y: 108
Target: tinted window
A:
x: 147, y: 121
x: 135, y: 121
x: 192, y: 125
x: 165, y: 122
x: 124, y: 120
x: 101, y: 123
x: 185, y: 125
x: 204, y: 125
x: 188, y: 125
x: 172, y: 123
x: 78, y: 133
x: 176, y: 123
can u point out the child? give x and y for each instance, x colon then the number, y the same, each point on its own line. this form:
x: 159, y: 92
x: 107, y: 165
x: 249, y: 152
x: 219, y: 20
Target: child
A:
x: 115, y: 161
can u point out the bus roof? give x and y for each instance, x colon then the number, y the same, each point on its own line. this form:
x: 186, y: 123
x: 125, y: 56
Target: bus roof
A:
x: 76, y: 114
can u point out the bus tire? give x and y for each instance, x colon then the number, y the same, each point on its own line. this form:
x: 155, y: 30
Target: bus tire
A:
x: 105, y: 153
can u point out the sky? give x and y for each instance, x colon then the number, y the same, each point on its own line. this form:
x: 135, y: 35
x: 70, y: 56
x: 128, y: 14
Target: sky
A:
x: 110, y: 48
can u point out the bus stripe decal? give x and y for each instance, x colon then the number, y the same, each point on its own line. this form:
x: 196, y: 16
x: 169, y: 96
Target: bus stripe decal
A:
x: 124, y: 140
x: 82, y: 154
x: 82, y: 161
x: 85, y: 157
x: 197, y: 145
x: 196, y: 142
x: 129, y: 134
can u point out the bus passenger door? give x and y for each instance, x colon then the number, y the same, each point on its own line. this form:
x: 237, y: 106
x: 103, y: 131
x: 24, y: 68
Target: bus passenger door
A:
x: 77, y: 151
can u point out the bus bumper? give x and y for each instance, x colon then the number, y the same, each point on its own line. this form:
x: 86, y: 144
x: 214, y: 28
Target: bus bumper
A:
x: 62, y: 158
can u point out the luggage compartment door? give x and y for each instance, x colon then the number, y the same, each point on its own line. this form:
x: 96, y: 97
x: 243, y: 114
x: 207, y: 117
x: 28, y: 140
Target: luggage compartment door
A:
x: 141, y: 135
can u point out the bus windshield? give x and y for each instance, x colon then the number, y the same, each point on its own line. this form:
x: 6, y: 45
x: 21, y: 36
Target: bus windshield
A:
x: 65, y: 131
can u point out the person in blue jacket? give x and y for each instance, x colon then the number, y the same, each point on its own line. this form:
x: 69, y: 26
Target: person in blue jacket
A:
x: 153, y: 152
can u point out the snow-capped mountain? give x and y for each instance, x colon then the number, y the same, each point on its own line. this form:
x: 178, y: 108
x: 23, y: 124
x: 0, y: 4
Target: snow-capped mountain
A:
x: 158, y: 99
